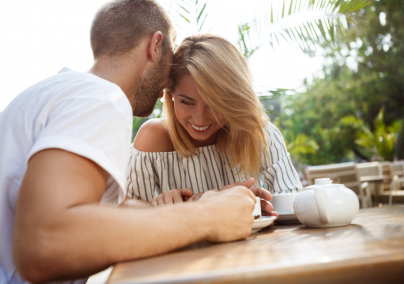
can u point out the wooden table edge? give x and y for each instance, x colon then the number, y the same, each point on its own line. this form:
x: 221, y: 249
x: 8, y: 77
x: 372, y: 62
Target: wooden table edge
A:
x: 251, y: 274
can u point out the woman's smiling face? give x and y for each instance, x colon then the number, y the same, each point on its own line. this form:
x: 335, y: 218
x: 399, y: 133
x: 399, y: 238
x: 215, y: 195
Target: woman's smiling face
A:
x: 194, y: 114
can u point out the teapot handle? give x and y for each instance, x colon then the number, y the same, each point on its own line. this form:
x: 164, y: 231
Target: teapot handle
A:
x: 321, y: 197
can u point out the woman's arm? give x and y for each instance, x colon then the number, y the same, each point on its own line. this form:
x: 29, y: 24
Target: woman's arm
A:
x: 279, y: 174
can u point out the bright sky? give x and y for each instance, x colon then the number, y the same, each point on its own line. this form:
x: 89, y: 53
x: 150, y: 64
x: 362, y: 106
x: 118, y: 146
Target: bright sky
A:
x: 40, y: 37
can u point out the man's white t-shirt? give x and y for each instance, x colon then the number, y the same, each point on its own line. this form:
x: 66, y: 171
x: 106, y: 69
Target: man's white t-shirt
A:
x: 77, y: 112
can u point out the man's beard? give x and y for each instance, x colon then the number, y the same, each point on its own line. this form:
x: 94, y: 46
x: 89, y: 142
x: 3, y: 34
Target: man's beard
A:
x: 148, y: 90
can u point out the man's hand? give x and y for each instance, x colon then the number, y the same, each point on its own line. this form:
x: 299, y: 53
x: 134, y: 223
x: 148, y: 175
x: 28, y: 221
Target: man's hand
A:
x: 265, y: 195
x: 247, y: 183
x: 229, y: 213
x: 197, y: 196
x: 172, y: 197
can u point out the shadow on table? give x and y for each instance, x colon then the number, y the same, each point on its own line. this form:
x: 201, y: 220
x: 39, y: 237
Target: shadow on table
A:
x: 335, y: 232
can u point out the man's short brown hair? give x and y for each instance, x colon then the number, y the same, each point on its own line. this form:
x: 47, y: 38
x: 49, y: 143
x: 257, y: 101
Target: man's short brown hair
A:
x: 120, y: 25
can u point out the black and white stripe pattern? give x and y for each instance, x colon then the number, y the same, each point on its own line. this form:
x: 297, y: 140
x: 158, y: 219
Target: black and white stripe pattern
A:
x: 150, y: 174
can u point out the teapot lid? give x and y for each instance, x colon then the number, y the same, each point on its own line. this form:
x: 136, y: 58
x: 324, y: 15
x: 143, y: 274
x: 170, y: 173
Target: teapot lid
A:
x: 323, y: 182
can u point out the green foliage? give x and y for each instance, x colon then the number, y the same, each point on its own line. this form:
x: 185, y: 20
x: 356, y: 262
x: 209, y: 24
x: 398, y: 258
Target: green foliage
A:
x: 316, y: 114
x: 341, y: 111
x: 380, y: 143
x: 137, y: 122
x: 298, y: 145
x: 244, y: 41
x: 323, y: 24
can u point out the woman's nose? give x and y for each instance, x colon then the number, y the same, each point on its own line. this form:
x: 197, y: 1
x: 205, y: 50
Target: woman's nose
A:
x: 201, y: 116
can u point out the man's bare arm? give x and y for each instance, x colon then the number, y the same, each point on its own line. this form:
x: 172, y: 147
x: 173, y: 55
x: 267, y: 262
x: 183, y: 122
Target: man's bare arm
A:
x: 134, y: 203
x: 61, y: 232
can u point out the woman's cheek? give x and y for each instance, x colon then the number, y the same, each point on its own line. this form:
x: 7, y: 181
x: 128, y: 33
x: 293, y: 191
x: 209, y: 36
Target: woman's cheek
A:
x: 180, y: 113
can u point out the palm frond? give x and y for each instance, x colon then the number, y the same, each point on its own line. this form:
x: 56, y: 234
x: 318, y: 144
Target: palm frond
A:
x: 194, y: 12
x: 302, y: 21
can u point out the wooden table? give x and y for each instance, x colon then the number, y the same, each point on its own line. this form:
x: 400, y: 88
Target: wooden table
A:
x: 370, y: 250
x: 377, y: 180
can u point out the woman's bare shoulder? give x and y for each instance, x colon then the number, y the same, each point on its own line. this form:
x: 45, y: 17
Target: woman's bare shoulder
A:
x: 153, y: 137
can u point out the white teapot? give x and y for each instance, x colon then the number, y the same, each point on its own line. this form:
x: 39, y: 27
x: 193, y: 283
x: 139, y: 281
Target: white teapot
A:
x: 326, y: 205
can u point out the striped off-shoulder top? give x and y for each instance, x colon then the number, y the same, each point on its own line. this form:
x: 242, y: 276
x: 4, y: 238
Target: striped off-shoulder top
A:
x: 151, y: 173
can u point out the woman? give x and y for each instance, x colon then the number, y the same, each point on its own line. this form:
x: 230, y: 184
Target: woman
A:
x: 214, y: 133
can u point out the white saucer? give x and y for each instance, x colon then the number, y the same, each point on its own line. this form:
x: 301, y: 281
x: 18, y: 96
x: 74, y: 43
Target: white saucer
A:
x: 262, y: 222
x: 287, y: 217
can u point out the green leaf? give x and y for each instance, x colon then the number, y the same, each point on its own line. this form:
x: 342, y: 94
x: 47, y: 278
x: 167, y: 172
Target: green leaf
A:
x: 283, y: 10
x: 332, y: 32
x: 313, y: 30
x: 321, y: 28
x: 290, y: 7
x: 183, y: 8
x: 185, y: 18
x: 200, y: 14
x: 200, y: 27
x: 308, y: 33
x: 287, y: 33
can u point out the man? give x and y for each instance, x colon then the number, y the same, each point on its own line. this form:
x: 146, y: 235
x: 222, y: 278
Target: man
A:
x: 64, y: 145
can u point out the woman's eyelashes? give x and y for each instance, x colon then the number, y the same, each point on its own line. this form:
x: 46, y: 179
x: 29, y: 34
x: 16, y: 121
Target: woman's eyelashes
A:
x: 186, y: 103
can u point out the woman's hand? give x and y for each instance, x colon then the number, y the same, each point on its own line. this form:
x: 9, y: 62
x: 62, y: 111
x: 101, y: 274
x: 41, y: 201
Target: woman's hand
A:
x: 266, y: 206
x: 172, y: 197
x: 197, y: 196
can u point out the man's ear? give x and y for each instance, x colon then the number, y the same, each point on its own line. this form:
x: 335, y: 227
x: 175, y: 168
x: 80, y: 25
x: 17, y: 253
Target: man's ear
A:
x: 156, y: 47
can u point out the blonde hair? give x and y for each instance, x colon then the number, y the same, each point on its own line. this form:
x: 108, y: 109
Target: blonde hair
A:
x: 224, y: 82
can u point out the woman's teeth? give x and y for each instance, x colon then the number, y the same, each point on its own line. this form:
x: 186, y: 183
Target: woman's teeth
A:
x: 200, y: 128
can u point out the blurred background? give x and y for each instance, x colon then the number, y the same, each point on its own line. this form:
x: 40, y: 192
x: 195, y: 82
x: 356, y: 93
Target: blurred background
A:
x: 328, y: 72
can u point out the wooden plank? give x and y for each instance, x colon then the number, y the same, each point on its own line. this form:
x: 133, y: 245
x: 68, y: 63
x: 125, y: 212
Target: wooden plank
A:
x: 373, y: 178
x: 371, y: 249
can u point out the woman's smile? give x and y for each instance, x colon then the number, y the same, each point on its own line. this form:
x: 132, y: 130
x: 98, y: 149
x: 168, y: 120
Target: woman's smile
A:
x: 200, y: 129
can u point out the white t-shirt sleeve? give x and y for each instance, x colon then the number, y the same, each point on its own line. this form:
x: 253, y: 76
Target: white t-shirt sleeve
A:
x: 92, y: 128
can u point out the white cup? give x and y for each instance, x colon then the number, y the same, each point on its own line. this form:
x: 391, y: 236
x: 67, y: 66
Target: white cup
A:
x: 257, y: 208
x: 283, y: 202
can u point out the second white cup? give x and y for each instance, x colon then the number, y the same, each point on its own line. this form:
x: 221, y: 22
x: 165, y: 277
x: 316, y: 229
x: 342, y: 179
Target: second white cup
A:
x: 283, y: 202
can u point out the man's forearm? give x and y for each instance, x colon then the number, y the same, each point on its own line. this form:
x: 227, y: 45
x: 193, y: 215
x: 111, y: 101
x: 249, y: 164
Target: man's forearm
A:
x: 135, y: 203
x: 97, y: 236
